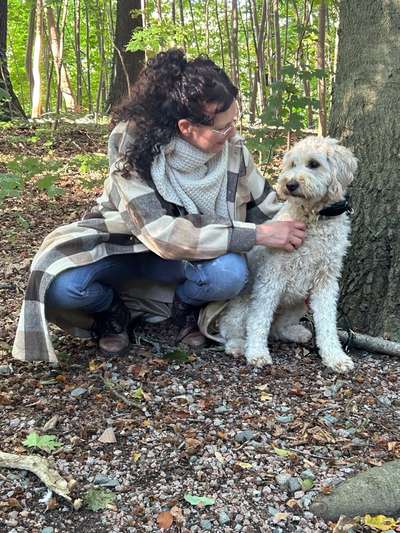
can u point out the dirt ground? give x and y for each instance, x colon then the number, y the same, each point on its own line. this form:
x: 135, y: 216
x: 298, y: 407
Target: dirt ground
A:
x: 260, y: 443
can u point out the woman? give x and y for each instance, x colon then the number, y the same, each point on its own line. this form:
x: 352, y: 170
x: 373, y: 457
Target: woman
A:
x: 181, y: 205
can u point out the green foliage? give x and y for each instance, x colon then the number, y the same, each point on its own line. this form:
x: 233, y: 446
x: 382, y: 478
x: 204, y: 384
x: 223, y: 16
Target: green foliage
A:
x: 10, y: 185
x: 90, y: 163
x: 48, y: 443
x: 98, y: 498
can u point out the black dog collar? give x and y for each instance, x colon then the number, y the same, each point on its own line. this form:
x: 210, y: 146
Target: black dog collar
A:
x: 338, y: 208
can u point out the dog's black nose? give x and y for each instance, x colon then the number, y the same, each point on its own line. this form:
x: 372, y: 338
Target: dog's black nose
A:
x: 292, y: 185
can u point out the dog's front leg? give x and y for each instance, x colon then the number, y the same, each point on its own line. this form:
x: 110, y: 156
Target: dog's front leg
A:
x: 258, y: 321
x: 323, y: 301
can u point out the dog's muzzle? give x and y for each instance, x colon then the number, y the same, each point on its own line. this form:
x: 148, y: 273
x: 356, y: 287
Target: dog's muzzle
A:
x: 292, y: 185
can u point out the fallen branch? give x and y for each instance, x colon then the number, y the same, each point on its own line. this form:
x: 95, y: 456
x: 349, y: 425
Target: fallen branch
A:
x: 40, y: 466
x: 371, y: 344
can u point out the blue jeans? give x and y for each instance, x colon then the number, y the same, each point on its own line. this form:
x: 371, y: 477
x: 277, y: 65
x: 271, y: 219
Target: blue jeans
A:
x: 91, y: 288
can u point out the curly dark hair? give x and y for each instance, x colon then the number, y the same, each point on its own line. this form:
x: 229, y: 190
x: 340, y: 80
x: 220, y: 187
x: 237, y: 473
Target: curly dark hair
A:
x: 168, y: 89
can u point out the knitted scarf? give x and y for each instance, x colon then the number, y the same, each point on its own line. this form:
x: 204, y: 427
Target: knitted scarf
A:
x: 191, y: 178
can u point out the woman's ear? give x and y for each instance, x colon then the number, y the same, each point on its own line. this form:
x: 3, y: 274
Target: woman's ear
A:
x: 185, y: 127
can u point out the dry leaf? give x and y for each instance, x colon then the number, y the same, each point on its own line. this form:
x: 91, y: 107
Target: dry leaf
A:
x: 136, y: 456
x: 177, y: 515
x: 165, y: 520
x: 280, y: 516
x: 108, y: 436
x: 262, y: 387
x: 244, y: 465
x: 220, y: 457
x: 192, y: 445
x: 51, y: 423
x: 265, y: 397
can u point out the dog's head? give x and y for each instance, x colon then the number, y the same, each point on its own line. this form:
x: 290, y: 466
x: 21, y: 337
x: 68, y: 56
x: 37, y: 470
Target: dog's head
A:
x: 317, y: 170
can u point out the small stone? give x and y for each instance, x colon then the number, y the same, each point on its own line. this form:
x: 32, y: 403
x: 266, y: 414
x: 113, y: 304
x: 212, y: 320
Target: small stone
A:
x: 293, y: 484
x: 223, y: 518
x: 206, y: 524
x: 307, y: 474
x: 221, y: 409
x: 282, y: 480
x: 359, y: 443
x: 329, y: 420
x: 383, y: 400
x: 108, y: 436
x: 5, y: 370
x: 77, y: 504
x: 244, y: 436
x: 79, y: 391
x: 285, y: 419
x: 47, y: 529
x: 105, y: 481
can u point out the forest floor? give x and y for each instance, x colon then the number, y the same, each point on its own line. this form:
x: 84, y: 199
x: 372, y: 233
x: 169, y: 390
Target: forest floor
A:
x: 260, y: 443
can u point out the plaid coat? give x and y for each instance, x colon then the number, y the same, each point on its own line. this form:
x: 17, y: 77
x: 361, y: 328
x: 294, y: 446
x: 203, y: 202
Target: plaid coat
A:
x: 131, y: 217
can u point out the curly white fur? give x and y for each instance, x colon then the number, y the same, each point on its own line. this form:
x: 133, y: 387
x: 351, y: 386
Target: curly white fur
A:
x: 281, y: 281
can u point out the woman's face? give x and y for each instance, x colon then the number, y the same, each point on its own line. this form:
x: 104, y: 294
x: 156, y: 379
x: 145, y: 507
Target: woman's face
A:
x: 211, y: 139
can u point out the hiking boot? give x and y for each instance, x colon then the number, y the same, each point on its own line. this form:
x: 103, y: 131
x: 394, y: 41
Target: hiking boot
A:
x: 185, y: 316
x: 110, y: 328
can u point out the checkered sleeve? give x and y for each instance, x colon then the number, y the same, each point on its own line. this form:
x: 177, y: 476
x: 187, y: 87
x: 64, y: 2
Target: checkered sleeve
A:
x: 263, y: 204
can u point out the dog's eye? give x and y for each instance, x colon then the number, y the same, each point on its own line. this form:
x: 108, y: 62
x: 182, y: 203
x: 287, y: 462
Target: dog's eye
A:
x: 313, y: 164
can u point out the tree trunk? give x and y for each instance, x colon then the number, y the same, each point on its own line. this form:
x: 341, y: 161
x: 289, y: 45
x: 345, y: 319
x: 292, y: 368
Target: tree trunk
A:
x: 365, y: 117
x: 36, y: 74
x: 9, y: 103
x: 62, y: 75
x: 127, y: 64
x: 321, y: 65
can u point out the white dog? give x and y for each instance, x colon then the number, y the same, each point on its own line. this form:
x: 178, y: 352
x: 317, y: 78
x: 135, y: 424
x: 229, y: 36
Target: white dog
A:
x: 316, y: 173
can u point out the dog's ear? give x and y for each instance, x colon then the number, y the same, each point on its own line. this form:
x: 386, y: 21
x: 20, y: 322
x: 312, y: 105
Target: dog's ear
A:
x: 343, y: 162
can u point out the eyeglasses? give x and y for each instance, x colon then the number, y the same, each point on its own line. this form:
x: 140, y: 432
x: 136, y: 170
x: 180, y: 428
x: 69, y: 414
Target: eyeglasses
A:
x: 226, y: 131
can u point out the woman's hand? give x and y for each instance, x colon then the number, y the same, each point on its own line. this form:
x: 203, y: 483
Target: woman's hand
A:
x: 284, y: 234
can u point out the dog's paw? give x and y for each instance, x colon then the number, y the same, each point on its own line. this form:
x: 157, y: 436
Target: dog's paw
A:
x: 235, y: 347
x: 295, y: 333
x: 258, y: 359
x: 338, y: 362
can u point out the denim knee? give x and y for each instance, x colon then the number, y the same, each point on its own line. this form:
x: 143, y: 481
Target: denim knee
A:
x: 222, y: 278
x: 65, y: 292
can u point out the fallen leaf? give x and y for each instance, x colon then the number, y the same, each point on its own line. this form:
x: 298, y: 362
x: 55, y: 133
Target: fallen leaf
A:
x: 98, y: 498
x: 136, y: 456
x: 279, y: 517
x: 108, y: 436
x: 192, y: 445
x: 165, y: 520
x: 199, y: 500
x: 307, y: 484
x: 265, y: 397
x: 177, y: 356
x: 380, y: 522
x: 220, y: 457
x: 284, y: 453
x: 244, y: 465
x: 177, y: 514
x: 262, y: 387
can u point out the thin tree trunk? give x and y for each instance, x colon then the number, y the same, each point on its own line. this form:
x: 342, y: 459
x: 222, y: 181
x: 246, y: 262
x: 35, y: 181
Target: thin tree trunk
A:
x: 234, y: 44
x: 221, y: 39
x: 228, y: 37
x: 173, y: 11
x: 37, y: 48
x: 57, y: 46
x: 88, y: 59
x: 207, y: 16
x: 77, y: 35
x: 59, y: 66
x: 9, y: 105
x: 194, y: 27
x: 29, y: 46
x: 321, y: 65
x: 278, y: 52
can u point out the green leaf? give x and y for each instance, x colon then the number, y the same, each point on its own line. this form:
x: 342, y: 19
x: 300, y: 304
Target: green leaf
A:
x: 138, y: 393
x: 48, y: 443
x: 282, y: 452
x: 199, y: 500
x: 179, y: 356
x: 10, y: 185
x: 307, y: 484
x: 98, y: 498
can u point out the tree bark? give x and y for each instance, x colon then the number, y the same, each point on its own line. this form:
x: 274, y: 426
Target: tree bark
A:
x: 365, y: 117
x: 62, y: 76
x: 321, y: 65
x: 9, y: 103
x: 36, y: 74
x: 127, y: 64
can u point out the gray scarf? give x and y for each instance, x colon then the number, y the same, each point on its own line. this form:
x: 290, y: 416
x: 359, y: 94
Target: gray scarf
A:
x: 191, y: 178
